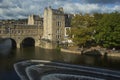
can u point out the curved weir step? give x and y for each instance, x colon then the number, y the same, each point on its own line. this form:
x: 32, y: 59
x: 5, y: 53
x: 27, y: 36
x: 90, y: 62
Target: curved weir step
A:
x: 47, y: 70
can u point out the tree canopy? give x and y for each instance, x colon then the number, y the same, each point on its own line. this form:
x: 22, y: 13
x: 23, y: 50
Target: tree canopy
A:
x: 82, y: 28
x: 108, y: 30
x: 104, y: 29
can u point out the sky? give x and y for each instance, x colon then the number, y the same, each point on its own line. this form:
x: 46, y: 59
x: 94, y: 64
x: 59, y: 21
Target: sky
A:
x: 15, y: 9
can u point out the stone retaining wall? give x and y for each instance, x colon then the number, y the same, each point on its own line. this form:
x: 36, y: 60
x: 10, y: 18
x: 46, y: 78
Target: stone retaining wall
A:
x: 69, y: 51
x: 113, y: 54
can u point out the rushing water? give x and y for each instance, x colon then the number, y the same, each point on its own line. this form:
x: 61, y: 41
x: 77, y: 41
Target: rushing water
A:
x: 6, y: 61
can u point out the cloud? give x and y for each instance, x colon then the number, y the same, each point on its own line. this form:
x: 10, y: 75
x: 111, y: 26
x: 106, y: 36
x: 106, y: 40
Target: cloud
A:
x: 13, y: 9
x: 102, y: 1
x: 117, y: 7
x: 90, y: 8
x: 81, y: 8
x: 20, y: 8
x: 1, y: 1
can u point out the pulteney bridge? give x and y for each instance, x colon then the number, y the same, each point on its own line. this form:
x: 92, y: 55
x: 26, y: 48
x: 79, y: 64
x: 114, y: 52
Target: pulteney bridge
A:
x: 21, y: 35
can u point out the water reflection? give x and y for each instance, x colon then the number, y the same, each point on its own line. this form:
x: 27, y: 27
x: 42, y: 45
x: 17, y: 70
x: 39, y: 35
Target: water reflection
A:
x: 54, y: 55
x: 6, y: 62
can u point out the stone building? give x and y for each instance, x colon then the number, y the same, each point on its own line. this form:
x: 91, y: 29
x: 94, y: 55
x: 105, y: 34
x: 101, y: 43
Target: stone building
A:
x: 49, y: 32
x: 54, y: 24
x: 35, y: 20
x: 14, y: 22
x: 68, y: 18
x: 54, y: 27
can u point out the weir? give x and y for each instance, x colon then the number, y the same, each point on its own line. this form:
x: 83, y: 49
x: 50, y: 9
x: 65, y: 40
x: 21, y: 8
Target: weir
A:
x: 47, y: 70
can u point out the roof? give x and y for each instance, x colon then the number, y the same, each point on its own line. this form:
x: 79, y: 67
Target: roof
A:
x: 56, y: 11
x: 36, y: 17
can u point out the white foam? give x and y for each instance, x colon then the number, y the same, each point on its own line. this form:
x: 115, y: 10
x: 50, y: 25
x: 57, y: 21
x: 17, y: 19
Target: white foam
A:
x: 41, y: 65
x: 65, y: 76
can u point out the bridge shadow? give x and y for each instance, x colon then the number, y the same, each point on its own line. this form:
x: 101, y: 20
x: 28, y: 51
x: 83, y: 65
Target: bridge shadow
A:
x: 13, y: 43
x: 27, y: 42
x: 7, y: 46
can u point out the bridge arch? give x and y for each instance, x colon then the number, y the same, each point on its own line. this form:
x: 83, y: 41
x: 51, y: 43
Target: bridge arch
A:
x: 13, y: 43
x: 28, y: 41
x: 9, y: 42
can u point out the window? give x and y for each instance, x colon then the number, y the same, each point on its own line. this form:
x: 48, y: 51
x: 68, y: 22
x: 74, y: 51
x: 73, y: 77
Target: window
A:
x: 57, y: 17
x: 58, y: 36
x: 58, y: 24
x: 18, y: 31
x: 12, y: 31
x: 58, y: 31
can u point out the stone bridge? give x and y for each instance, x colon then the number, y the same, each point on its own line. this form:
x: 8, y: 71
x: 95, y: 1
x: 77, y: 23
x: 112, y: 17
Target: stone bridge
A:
x: 22, y: 34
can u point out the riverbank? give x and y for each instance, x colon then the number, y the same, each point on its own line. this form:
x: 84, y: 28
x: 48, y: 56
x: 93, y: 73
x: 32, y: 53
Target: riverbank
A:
x: 78, y: 52
x: 113, y: 54
x: 71, y: 51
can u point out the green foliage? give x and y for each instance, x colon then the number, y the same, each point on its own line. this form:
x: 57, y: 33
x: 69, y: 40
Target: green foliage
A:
x: 108, y: 30
x: 82, y: 28
x: 103, y: 28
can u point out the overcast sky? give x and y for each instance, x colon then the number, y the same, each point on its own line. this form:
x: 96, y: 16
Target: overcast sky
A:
x: 14, y: 9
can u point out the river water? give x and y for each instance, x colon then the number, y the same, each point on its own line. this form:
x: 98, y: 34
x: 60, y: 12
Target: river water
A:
x: 6, y: 61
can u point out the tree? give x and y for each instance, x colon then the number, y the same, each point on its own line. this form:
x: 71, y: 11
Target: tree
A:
x: 108, y: 30
x: 103, y: 28
x: 82, y: 28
